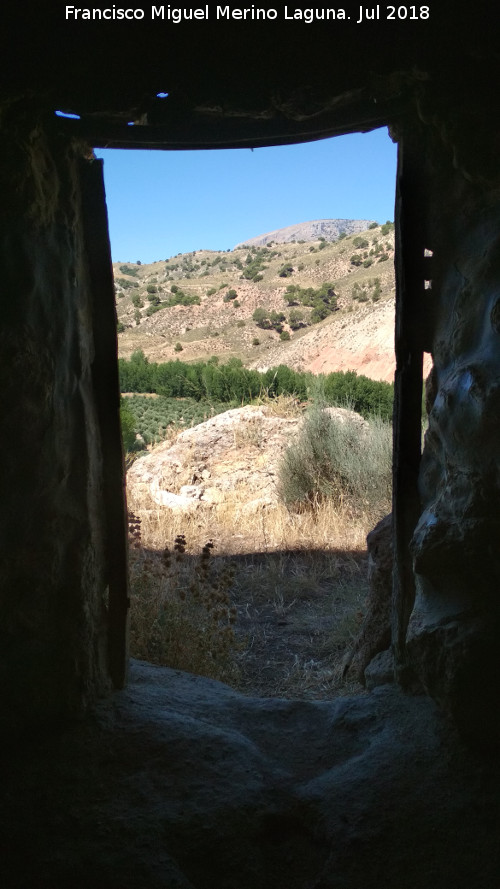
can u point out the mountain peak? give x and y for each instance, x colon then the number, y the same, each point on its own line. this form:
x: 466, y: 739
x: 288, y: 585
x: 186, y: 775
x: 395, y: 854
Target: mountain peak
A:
x: 329, y: 229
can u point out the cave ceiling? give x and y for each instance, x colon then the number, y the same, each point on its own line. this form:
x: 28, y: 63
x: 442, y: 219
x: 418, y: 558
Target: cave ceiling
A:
x: 234, y: 84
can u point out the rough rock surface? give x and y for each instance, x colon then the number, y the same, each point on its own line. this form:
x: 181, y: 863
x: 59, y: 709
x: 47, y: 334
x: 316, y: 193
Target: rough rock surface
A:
x: 238, y: 451
x: 455, y: 625
x: 375, y: 632
x: 180, y: 782
x: 54, y: 565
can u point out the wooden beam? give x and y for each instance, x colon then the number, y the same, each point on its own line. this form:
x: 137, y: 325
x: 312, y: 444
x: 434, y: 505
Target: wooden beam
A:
x: 203, y: 130
x: 107, y: 397
x: 409, y: 337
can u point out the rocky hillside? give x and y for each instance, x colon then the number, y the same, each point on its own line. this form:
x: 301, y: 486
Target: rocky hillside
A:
x: 329, y: 229
x: 196, y: 305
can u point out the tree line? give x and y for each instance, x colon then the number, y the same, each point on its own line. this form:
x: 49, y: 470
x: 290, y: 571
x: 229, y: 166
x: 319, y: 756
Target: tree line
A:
x: 236, y: 384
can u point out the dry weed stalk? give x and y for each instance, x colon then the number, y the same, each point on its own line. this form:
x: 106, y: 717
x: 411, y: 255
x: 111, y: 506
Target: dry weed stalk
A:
x: 181, y: 611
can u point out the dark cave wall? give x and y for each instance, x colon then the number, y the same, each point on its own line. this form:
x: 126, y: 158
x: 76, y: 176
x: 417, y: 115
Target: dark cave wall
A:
x: 453, y: 640
x: 53, y: 528
x: 62, y: 546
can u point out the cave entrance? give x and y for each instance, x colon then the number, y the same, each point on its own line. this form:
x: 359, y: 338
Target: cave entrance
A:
x: 271, y: 559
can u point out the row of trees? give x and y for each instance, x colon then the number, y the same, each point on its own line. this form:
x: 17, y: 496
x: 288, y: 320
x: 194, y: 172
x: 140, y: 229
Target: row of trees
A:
x: 234, y: 383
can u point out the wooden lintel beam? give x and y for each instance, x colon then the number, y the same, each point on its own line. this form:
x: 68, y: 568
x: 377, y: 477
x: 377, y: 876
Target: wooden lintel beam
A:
x: 412, y: 268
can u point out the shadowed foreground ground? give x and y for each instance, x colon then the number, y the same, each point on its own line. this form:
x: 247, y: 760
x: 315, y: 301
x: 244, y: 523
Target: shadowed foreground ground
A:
x: 180, y: 782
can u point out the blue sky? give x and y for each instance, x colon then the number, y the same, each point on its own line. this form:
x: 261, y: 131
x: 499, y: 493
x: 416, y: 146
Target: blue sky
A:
x: 161, y: 203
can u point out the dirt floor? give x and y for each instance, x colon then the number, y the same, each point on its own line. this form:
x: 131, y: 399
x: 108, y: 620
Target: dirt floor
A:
x: 273, y: 624
x: 296, y: 626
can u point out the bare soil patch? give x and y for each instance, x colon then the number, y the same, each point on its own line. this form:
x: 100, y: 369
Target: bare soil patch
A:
x: 297, y: 613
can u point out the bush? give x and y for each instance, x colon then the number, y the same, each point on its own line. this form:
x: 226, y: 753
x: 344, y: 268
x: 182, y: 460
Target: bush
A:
x: 319, y: 313
x: 178, y: 347
x: 338, y: 460
x: 152, y: 309
x: 284, y: 336
x: 276, y: 319
x: 387, y: 227
x: 296, y: 319
x: 261, y: 318
x: 255, y: 341
x: 127, y: 422
x: 368, y: 397
x: 127, y: 270
x: 183, y: 299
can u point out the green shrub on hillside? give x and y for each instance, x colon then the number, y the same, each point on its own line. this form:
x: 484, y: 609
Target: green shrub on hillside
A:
x: 126, y: 285
x: 339, y: 460
x: 277, y: 319
x: 179, y: 298
x: 261, y: 318
x: 152, y: 309
x: 254, y: 263
x: 323, y: 300
x: 129, y: 270
x: 128, y: 424
x: 296, y: 319
x: 368, y: 397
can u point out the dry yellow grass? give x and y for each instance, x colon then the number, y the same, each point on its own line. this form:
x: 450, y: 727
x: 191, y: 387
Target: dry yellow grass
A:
x: 274, y: 608
x: 238, y: 530
x: 297, y: 586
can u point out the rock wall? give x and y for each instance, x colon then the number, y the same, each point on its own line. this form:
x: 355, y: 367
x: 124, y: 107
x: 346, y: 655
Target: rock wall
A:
x: 454, y: 631
x: 53, y: 524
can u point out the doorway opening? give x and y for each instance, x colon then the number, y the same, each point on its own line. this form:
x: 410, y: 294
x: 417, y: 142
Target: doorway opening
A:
x: 247, y: 563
